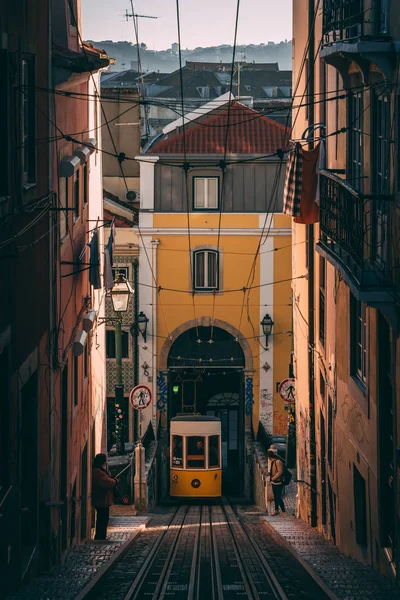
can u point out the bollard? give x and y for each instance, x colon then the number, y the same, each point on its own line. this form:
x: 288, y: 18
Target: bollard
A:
x: 140, y: 479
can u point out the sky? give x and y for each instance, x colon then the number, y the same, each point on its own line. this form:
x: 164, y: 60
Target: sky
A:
x: 203, y: 22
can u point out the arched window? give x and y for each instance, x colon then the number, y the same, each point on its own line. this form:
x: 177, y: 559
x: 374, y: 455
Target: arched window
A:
x: 205, y: 270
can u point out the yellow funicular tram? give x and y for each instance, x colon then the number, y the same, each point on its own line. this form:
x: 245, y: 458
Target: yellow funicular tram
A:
x: 195, y: 457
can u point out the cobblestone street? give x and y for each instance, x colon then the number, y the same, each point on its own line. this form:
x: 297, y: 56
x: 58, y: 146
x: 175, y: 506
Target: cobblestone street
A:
x: 64, y: 582
x: 346, y: 577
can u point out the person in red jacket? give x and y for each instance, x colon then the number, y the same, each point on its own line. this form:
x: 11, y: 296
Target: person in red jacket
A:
x: 102, y: 494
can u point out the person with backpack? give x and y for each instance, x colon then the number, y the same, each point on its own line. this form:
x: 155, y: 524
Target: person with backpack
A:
x: 277, y: 478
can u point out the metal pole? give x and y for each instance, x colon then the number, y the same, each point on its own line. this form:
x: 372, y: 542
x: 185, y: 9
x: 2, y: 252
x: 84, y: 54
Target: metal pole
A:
x: 119, y: 391
x: 310, y: 251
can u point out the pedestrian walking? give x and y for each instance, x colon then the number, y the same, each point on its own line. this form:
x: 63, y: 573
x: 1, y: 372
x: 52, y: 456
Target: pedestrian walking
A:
x: 103, y: 487
x: 276, y: 478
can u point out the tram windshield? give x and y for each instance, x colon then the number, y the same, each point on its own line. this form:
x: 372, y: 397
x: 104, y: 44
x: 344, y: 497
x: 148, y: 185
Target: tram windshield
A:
x: 213, y: 451
x: 195, y: 452
x: 177, y: 452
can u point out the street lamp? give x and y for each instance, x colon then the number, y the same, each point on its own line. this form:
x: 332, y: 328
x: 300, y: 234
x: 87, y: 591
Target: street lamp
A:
x: 141, y: 322
x: 267, y: 324
x: 120, y: 295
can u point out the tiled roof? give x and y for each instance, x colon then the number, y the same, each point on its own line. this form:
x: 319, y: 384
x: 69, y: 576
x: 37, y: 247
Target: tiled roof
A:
x: 249, y: 133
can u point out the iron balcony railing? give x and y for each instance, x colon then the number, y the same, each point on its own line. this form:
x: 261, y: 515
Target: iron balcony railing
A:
x: 351, y: 232
x: 348, y: 20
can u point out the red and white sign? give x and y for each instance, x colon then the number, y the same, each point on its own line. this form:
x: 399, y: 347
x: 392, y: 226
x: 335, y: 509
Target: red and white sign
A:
x: 140, y: 397
x: 287, y: 389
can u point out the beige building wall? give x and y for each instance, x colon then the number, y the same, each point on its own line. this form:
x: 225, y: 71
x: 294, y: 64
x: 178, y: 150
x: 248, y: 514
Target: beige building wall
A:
x: 350, y: 432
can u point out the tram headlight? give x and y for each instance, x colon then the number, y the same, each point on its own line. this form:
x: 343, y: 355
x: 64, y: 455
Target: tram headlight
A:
x: 196, y: 483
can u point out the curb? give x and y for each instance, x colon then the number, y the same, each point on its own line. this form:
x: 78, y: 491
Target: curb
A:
x: 288, y: 546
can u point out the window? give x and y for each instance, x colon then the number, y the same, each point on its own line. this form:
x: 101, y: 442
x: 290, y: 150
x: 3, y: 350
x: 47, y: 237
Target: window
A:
x: 206, y: 193
x: 177, y: 452
x: 124, y: 271
x: 322, y: 290
x: 76, y: 380
x: 204, y: 91
x: 63, y: 204
x: 322, y: 385
x: 110, y: 343
x: 355, y: 166
x: 76, y: 198
x: 71, y: 11
x: 205, y: 272
x: 28, y: 121
x: 381, y: 181
x: 195, y: 452
x: 358, y: 342
x: 213, y: 451
x: 85, y: 185
x: 85, y: 361
x: 330, y: 431
x: 360, y: 507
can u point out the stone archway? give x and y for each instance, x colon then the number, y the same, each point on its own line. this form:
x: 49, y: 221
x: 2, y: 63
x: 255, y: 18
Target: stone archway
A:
x: 206, y: 322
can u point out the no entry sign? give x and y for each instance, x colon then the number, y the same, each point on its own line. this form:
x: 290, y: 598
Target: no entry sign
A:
x: 140, y: 397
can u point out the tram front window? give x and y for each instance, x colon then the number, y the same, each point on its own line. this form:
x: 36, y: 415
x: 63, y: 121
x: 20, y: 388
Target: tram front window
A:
x: 213, y: 451
x: 195, y: 452
x: 177, y: 452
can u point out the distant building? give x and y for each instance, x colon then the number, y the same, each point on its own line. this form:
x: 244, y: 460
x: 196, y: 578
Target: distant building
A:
x: 175, y: 47
x: 259, y: 85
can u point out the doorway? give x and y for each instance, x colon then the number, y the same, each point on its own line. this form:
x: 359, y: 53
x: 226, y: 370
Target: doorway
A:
x: 207, y: 378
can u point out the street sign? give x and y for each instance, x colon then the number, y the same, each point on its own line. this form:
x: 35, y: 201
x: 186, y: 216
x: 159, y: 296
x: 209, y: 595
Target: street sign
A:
x: 140, y: 397
x: 287, y: 389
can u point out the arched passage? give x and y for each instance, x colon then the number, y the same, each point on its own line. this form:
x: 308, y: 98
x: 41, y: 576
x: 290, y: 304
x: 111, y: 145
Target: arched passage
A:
x: 205, y: 366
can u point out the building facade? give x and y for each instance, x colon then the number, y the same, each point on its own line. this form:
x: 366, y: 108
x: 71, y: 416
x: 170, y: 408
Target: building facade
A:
x: 52, y: 372
x: 215, y: 258
x: 346, y: 312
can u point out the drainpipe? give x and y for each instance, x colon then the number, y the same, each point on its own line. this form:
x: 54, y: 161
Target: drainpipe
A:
x: 135, y: 269
x: 311, y: 307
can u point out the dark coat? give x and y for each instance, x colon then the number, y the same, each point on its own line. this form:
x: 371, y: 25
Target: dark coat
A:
x: 102, y: 488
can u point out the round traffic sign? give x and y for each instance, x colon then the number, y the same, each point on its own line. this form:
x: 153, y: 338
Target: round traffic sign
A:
x: 287, y: 389
x: 140, y: 397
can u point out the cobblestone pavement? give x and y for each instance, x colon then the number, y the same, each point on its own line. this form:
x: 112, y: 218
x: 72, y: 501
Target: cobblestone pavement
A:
x: 65, y: 581
x: 346, y: 577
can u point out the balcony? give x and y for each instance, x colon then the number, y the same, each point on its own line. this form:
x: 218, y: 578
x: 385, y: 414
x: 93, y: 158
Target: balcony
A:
x: 354, y: 238
x: 353, y: 20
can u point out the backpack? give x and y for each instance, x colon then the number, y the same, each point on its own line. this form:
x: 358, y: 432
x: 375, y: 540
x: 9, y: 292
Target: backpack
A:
x: 286, y: 476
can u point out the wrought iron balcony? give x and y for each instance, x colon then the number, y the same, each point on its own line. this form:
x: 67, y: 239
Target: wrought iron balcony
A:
x: 350, y: 20
x: 354, y: 236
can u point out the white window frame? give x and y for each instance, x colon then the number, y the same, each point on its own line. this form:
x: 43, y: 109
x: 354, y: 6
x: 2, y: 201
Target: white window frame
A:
x: 206, y: 287
x: 206, y: 195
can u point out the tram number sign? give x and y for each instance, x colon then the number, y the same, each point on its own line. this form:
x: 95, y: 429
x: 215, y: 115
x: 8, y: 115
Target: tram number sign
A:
x: 287, y: 389
x: 140, y: 397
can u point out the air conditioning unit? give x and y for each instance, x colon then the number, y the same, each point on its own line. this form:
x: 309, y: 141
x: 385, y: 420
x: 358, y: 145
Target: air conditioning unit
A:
x: 132, y: 196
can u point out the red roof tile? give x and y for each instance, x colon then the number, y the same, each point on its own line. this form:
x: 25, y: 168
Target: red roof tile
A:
x: 249, y: 133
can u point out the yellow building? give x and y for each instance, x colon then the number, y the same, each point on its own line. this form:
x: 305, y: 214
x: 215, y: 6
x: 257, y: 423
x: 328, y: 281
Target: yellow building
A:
x: 215, y: 258
x: 346, y: 313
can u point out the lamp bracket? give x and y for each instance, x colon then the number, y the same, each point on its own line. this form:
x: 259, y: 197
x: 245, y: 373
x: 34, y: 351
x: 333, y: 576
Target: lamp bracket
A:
x: 109, y: 320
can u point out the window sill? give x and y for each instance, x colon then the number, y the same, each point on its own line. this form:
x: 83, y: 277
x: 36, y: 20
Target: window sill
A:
x: 208, y: 292
x: 28, y: 185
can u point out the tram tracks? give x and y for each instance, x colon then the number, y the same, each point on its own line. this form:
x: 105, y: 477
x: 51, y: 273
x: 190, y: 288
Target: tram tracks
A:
x: 205, y: 552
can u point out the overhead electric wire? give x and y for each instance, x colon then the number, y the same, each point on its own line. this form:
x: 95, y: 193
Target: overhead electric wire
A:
x: 116, y: 152
x: 221, y: 199
x: 191, y: 255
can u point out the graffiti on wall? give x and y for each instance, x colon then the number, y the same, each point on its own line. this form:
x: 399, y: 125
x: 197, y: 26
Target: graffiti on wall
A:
x: 249, y: 395
x: 162, y: 391
x: 266, y: 409
x: 280, y: 423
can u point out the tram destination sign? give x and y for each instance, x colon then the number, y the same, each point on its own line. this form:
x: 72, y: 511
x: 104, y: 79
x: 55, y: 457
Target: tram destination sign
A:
x: 140, y: 397
x: 287, y: 389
